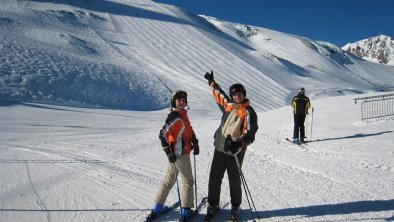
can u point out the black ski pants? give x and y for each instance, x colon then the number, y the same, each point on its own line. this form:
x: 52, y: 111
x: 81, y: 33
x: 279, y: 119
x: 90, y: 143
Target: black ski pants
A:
x: 220, y: 163
x: 299, y: 128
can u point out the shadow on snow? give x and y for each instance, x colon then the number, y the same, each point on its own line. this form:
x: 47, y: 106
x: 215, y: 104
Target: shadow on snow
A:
x: 358, y: 135
x: 67, y: 107
x: 69, y: 210
x: 332, y: 209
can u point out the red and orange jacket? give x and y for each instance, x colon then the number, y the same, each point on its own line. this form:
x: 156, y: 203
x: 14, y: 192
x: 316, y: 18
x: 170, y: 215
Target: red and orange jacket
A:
x: 238, y: 120
x: 177, y: 133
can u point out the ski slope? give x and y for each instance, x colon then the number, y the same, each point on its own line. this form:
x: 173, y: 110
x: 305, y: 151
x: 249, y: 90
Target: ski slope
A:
x: 85, y: 87
x: 130, y: 54
x: 60, y: 163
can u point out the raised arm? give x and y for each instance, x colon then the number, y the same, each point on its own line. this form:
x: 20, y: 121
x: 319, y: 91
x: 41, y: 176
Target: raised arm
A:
x: 224, y: 102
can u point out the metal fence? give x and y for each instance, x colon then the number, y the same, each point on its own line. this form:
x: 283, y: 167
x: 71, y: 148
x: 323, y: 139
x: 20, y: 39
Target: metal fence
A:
x: 380, y: 106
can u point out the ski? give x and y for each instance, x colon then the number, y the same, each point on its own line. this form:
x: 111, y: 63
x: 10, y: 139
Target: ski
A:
x: 202, y: 203
x: 290, y: 141
x: 152, y: 217
x: 233, y: 218
x: 199, y: 207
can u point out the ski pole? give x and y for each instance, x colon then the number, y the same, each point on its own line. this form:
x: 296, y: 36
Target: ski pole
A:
x: 313, y: 108
x: 177, y: 186
x: 306, y: 125
x: 243, y: 178
x: 195, y: 181
x: 247, y: 191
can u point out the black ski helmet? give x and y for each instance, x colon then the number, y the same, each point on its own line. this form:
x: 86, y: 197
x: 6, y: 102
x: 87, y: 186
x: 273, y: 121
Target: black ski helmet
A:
x: 237, y: 87
x: 301, y: 90
x: 178, y: 95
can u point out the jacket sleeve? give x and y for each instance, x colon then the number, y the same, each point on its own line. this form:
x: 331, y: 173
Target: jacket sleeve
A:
x: 224, y: 102
x: 293, y: 103
x: 250, y: 127
x: 308, y: 105
x: 169, y: 134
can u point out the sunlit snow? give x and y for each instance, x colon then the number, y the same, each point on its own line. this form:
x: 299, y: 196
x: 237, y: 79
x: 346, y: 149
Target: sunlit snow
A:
x: 84, y: 91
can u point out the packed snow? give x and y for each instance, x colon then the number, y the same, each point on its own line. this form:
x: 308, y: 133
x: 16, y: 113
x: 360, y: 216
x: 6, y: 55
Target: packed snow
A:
x: 127, y: 54
x: 84, y: 91
x: 60, y: 163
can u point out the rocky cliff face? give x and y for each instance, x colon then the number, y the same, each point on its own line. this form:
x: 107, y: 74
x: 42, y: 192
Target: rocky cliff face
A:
x: 379, y: 49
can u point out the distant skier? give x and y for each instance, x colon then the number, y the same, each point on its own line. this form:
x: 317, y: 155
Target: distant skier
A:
x: 177, y: 139
x: 300, y: 105
x: 236, y: 131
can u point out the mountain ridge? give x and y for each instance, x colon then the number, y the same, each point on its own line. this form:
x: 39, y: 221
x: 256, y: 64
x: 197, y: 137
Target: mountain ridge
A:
x: 378, y: 49
x: 130, y: 54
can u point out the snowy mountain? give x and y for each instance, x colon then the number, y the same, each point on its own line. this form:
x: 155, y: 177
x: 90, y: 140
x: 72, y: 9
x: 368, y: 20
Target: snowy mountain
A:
x: 128, y: 53
x: 102, y: 161
x: 61, y: 163
x: 379, y: 49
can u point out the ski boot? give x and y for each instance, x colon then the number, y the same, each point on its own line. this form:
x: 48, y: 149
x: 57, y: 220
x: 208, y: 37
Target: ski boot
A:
x: 210, y: 212
x: 234, y: 213
x: 185, y: 214
x: 157, y: 210
x: 296, y: 141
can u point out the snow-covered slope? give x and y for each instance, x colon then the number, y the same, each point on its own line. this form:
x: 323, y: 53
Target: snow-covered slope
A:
x: 129, y: 53
x: 66, y: 164
x: 63, y: 163
x: 379, y: 49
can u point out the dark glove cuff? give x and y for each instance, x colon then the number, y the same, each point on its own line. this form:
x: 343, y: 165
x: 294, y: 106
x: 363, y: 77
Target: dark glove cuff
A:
x: 167, y: 149
x: 171, y: 157
x: 194, y: 140
x: 241, y: 143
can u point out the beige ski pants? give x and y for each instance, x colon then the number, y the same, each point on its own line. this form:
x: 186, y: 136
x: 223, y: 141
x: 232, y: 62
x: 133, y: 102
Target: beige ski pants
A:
x: 184, y: 168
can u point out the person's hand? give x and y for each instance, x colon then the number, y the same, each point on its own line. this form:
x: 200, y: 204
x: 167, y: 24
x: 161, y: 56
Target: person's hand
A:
x: 196, y: 148
x: 234, y: 146
x: 171, y: 157
x: 166, y: 149
x: 209, y: 76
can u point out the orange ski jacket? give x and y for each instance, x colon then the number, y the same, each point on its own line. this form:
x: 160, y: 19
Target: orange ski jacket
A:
x: 238, y: 120
x: 177, y: 133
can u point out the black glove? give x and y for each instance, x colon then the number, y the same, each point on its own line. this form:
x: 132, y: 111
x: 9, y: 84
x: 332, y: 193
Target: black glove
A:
x: 166, y: 149
x: 171, y: 157
x: 209, y: 77
x: 234, y: 146
x: 196, y: 148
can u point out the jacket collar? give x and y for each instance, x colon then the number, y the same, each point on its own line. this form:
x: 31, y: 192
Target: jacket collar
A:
x: 181, y: 111
x: 244, y: 104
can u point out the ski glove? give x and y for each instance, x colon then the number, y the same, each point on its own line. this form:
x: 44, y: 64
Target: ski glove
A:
x: 196, y: 148
x: 234, y: 146
x: 171, y: 157
x: 209, y: 76
x: 166, y: 149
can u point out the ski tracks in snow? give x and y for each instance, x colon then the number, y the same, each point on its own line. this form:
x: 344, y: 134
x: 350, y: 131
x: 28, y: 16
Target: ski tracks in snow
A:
x: 114, y: 179
x: 282, y: 173
x: 189, y: 50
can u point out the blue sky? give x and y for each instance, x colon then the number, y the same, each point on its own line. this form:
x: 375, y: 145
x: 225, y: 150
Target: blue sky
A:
x: 334, y: 21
